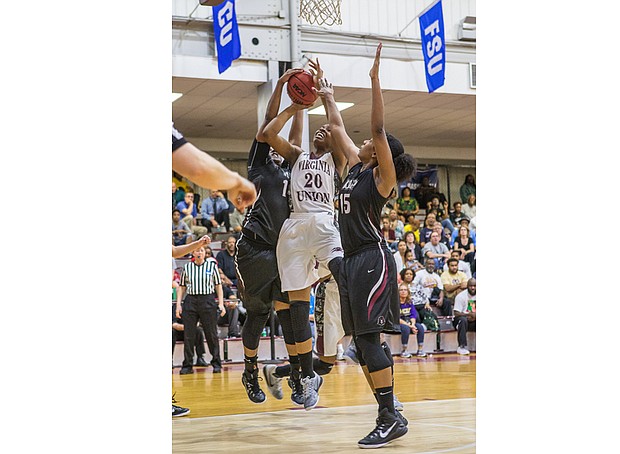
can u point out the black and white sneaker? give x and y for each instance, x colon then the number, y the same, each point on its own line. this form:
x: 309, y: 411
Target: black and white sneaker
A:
x: 274, y: 384
x: 297, y: 394
x: 310, y: 387
x: 389, y: 428
x: 250, y: 381
x: 179, y: 411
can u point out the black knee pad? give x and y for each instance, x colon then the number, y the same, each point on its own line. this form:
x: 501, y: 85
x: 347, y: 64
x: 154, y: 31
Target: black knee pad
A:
x: 252, y: 328
x: 321, y: 367
x: 372, y: 352
x: 284, y: 317
x: 388, y: 352
x: 300, y: 318
x: 334, y: 267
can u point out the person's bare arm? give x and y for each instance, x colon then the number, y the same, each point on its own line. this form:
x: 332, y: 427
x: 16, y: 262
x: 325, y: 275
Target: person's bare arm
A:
x: 273, y: 106
x: 343, y: 146
x: 180, y: 251
x: 207, y: 172
x: 272, y: 130
x: 385, y: 173
x: 180, y: 291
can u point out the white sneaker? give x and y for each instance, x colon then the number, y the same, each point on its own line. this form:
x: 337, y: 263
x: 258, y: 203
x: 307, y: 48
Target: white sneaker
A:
x: 398, y: 404
x: 462, y: 351
x: 274, y: 384
x: 405, y: 354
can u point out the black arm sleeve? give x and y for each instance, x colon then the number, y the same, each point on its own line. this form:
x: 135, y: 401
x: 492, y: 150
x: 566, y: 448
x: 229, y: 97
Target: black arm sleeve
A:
x: 177, y: 139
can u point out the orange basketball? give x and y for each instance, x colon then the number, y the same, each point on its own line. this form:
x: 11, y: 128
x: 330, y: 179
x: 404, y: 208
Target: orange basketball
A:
x: 299, y: 88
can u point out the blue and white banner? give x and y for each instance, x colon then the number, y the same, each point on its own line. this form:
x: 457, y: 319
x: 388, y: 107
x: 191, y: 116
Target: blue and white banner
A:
x: 433, y: 46
x: 226, y: 33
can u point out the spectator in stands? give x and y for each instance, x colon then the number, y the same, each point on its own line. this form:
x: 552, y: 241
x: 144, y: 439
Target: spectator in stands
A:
x: 189, y: 213
x: 388, y: 234
x: 457, y: 214
x: 443, y: 238
x: 453, y: 280
x: 397, y: 225
x: 231, y: 318
x: 208, y: 252
x: 226, y: 259
x: 468, y: 188
x: 472, y: 226
x: 469, y: 209
x: 413, y: 225
x: 424, y: 193
x: 399, y: 255
x: 202, y: 282
x: 472, y: 233
x: 436, y: 251
x: 412, y: 262
x: 464, y: 243
x: 442, y: 214
x: 413, y: 246
x: 465, y: 315
x: 236, y: 220
x: 425, y: 232
x: 409, y: 323
x: 432, y: 287
x: 406, y: 204
x: 174, y: 200
x: 407, y: 276
x: 215, y: 212
x: 464, y: 267
x: 179, y: 195
x: 181, y: 233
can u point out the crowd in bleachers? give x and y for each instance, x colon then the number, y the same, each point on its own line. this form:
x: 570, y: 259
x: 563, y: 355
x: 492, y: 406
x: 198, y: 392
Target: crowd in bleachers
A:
x: 434, y: 247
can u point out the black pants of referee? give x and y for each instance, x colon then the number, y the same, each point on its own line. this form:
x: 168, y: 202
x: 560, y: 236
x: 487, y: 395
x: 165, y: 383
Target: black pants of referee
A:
x: 203, y: 308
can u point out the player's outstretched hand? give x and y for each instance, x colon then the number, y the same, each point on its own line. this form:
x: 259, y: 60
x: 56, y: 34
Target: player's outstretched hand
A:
x: 243, y: 194
x: 374, y: 71
x: 325, y: 88
x: 204, y: 241
x: 317, y: 72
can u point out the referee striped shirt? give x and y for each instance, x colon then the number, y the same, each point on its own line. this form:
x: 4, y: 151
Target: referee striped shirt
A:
x: 201, y: 279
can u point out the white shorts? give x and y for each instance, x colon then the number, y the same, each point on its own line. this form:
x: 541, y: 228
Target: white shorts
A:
x: 307, y: 243
x: 329, y: 329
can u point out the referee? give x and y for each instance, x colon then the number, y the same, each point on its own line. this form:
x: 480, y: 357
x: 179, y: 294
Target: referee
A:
x: 202, y: 281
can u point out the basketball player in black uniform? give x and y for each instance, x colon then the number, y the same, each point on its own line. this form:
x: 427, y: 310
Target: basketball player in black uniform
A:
x: 255, y: 257
x: 368, y: 284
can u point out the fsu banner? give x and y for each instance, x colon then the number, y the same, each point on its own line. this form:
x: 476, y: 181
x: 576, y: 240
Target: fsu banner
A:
x: 226, y: 33
x: 433, y: 46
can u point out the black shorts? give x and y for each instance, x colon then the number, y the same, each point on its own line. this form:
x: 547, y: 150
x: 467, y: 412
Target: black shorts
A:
x: 369, y: 292
x: 258, y: 277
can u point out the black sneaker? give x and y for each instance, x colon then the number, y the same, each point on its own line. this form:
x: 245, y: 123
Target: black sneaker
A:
x: 297, y: 394
x: 389, y: 428
x: 250, y: 381
x: 179, y: 411
x: 200, y: 362
x: 186, y: 370
x: 403, y: 420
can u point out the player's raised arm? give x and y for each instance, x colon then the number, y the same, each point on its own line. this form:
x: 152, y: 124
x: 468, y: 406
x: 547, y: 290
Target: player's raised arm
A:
x: 273, y: 106
x: 385, y: 176
x: 272, y: 130
x: 341, y: 140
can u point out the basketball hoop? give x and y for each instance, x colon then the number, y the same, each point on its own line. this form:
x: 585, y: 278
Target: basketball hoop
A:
x: 320, y: 12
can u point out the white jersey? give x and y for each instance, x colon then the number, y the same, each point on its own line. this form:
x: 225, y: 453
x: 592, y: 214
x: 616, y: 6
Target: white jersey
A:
x: 313, y: 185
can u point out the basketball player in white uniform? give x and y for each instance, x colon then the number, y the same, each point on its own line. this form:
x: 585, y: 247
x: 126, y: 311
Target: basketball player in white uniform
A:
x: 310, y: 235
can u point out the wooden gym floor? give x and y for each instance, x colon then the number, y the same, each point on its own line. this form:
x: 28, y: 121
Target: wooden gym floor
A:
x: 438, y: 394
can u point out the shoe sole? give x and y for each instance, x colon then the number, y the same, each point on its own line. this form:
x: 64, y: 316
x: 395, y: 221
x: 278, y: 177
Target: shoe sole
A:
x: 181, y: 414
x: 380, y: 445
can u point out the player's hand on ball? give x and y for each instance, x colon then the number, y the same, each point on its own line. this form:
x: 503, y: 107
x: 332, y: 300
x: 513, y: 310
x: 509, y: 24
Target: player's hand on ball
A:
x: 287, y: 75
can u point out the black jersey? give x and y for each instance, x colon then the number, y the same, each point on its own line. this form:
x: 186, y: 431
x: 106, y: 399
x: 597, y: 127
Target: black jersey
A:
x: 264, y: 219
x: 360, y: 206
x: 177, y: 139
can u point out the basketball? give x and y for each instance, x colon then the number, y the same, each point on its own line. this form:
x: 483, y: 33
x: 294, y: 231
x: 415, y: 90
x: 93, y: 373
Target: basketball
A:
x: 299, y: 88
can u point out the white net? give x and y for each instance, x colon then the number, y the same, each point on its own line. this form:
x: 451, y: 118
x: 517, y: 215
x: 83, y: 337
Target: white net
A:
x: 320, y: 12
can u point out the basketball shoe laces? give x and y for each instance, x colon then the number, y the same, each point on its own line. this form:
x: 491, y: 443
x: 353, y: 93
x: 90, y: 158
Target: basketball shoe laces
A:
x: 252, y: 384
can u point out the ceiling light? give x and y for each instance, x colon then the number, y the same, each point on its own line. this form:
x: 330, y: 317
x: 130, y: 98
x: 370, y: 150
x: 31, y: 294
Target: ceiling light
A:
x: 176, y: 96
x: 320, y: 110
